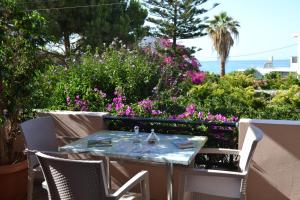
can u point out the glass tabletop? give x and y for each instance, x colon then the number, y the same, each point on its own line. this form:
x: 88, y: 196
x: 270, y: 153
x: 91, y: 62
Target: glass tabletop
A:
x: 176, y: 149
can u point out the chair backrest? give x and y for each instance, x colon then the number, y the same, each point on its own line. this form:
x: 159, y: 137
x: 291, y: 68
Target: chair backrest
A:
x: 73, y: 179
x: 253, y: 136
x: 39, y: 135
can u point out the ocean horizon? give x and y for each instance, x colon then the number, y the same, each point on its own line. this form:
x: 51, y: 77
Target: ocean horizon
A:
x: 235, y: 65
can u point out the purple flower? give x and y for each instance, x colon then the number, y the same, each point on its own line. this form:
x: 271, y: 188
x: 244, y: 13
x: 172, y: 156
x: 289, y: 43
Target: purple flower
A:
x: 197, y: 77
x: 119, y: 106
x: 221, y: 118
x: 182, y: 116
x: 200, y: 115
x: 147, y: 105
x: 191, y: 109
x: 181, y: 66
x: 129, y: 111
x: 156, y: 112
x: 83, y: 105
x: 77, y: 97
x: 117, y: 100
x: 102, y: 94
x: 68, y: 100
x: 77, y: 101
x: 173, y: 117
x: 210, y: 117
x: 194, y: 62
x: 109, y: 107
x: 234, y: 119
x: 164, y: 42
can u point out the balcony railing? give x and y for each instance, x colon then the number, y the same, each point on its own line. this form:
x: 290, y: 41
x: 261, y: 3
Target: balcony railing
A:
x: 220, y: 134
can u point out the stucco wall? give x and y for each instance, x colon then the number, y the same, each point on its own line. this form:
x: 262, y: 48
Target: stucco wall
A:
x: 275, y: 171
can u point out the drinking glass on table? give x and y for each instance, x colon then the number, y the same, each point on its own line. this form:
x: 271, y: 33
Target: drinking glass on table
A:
x: 136, y: 138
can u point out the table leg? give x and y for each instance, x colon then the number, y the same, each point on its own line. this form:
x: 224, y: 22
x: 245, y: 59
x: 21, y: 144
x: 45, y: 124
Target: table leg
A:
x: 107, y: 162
x: 170, y: 181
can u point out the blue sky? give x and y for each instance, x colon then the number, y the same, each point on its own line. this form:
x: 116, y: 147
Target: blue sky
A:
x: 265, y: 25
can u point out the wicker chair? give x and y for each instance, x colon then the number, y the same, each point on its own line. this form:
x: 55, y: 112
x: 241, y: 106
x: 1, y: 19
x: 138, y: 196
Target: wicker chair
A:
x: 198, y: 183
x: 85, y: 179
x: 39, y: 136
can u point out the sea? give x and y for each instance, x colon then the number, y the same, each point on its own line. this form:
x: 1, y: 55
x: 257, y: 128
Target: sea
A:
x: 235, y: 65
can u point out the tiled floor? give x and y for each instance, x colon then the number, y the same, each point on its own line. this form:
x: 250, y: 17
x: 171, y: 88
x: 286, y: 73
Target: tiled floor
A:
x: 38, y: 192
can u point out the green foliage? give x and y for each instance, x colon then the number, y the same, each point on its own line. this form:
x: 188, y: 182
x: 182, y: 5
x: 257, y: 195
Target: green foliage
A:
x: 91, y: 23
x: 287, y: 97
x: 275, y: 80
x: 178, y: 19
x: 128, y: 70
x: 21, y: 36
x: 234, y: 94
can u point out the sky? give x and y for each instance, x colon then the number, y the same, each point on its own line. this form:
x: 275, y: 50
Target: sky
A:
x: 265, y: 25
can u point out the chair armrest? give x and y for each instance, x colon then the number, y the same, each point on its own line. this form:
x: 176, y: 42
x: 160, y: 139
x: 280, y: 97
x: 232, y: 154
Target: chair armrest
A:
x: 219, y: 151
x: 139, y: 177
x: 211, y: 172
x: 52, y: 153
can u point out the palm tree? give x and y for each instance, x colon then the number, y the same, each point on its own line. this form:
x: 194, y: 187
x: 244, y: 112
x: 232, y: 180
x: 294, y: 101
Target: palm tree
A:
x: 221, y: 29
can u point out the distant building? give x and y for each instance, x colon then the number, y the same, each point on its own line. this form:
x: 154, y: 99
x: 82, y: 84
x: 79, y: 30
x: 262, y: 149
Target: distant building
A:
x: 284, y: 71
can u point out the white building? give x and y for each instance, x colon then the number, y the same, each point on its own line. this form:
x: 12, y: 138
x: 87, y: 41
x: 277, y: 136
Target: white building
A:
x: 294, y: 64
x: 295, y: 60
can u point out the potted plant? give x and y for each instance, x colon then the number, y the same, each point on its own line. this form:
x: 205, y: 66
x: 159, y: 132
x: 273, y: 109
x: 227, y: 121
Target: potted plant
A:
x: 20, y: 40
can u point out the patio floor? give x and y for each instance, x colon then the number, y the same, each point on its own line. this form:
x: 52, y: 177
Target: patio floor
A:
x: 38, y: 192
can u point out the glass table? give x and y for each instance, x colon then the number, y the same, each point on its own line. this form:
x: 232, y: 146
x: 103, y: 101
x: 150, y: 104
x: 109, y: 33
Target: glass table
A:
x: 123, y: 145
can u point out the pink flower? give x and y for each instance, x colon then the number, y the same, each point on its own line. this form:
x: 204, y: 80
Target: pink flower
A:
x: 234, y: 119
x: 220, y: 117
x: 182, y: 116
x: 68, y: 100
x: 147, y: 105
x: 119, y: 106
x: 109, y: 107
x: 117, y: 100
x: 191, y: 109
x: 210, y: 117
x: 156, y: 112
x: 164, y: 42
x: 128, y: 111
x: 194, y: 62
x: 197, y: 77
x: 168, y: 59
x: 200, y: 115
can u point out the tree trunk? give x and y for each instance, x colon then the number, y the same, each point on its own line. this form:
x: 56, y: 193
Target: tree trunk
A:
x: 222, y: 67
x: 174, y: 28
x: 67, y: 45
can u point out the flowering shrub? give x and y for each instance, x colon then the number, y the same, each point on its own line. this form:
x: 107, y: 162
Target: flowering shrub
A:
x: 77, y: 104
x: 175, y: 67
x: 149, y: 108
